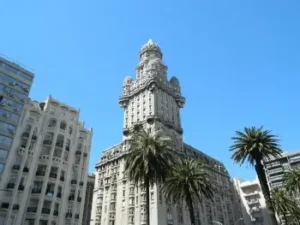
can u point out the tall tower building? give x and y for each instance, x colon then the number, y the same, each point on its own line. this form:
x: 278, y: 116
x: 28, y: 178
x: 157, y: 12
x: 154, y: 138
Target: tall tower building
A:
x: 15, y: 84
x: 45, y: 177
x: 153, y: 101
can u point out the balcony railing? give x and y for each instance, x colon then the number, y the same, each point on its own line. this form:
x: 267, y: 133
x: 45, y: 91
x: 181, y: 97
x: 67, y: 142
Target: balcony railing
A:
x: 36, y: 191
x: 47, y: 142
x: 32, y: 209
x: 10, y: 186
x: 40, y: 173
x: 46, y: 211
x: 16, y: 167
x: 25, y: 134
x: 53, y: 175
x: 73, y: 181
x: 49, y: 193
x: 71, y: 197
x: 59, y: 144
x: 16, y: 207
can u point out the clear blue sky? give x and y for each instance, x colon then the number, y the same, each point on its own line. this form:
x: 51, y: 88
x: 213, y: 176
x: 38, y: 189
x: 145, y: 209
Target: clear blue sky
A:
x: 238, y: 62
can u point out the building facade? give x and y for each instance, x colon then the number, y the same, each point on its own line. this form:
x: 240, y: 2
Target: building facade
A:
x: 253, y: 205
x: 44, y: 181
x: 15, y: 84
x: 153, y: 101
x: 88, y: 200
x: 276, y: 168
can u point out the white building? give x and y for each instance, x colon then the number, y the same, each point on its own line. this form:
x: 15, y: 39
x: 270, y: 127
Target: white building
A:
x: 45, y: 176
x: 153, y: 101
x: 253, y: 205
x: 88, y: 199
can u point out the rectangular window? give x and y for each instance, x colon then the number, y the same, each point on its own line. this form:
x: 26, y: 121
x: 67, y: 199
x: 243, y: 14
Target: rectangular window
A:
x: 5, y: 140
x: 152, y: 196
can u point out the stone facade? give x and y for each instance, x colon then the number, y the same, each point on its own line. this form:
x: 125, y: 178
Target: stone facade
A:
x: 88, y: 200
x: 44, y: 182
x: 153, y: 101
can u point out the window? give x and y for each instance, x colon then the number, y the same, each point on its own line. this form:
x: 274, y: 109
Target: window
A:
x: 5, y: 140
x: 3, y: 154
x: 152, y: 196
x: 1, y: 167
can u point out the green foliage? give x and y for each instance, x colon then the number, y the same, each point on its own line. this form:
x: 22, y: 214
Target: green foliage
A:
x: 254, y: 144
x: 188, y: 177
x: 149, y: 157
x: 292, y: 181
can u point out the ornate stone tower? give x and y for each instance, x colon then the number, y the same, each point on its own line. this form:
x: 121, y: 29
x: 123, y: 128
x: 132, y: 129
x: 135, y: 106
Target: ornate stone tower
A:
x: 152, y: 100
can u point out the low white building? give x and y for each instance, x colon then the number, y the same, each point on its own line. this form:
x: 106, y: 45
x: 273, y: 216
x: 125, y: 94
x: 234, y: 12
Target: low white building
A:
x: 154, y: 101
x: 45, y: 176
x: 253, y: 205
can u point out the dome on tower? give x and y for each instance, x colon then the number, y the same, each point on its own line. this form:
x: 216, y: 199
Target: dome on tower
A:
x: 174, y: 81
x: 127, y: 81
x: 150, y: 45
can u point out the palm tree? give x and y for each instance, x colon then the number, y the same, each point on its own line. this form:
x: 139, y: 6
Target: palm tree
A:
x: 284, y: 204
x: 292, y: 181
x: 188, y: 179
x: 254, y: 145
x: 148, y: 160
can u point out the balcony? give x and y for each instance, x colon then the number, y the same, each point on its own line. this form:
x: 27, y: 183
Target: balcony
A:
x: 16, y: 207
x: 69, y: 215
x: 53, y: 175
x: 72, y: 198
x: 58, y: 195
x: 25, y: 169
x: 46, y: 211
x: 10, y: 186
x: 21, y: 187
x: 74, y: 181
x: 25, y: 135
x: 31, y: 209
x: 16, y: 167
x: 47, y: 142
x: 36, y: 191
x: 34, y: 137
x: 40, y: 173
x: 50, y: 193
x: 5, y: 205
x: 55, y: 213
x: 59, y: 144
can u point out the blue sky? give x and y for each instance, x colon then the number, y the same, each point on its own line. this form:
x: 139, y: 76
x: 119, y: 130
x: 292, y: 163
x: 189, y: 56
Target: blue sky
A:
x: 238, y: 62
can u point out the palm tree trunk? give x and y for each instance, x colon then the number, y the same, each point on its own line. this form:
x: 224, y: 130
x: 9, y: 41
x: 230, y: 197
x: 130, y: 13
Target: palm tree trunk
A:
x: 265, y: 190
x: 147, y: 185
x: 189, y: 202
x: 285, y: 218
